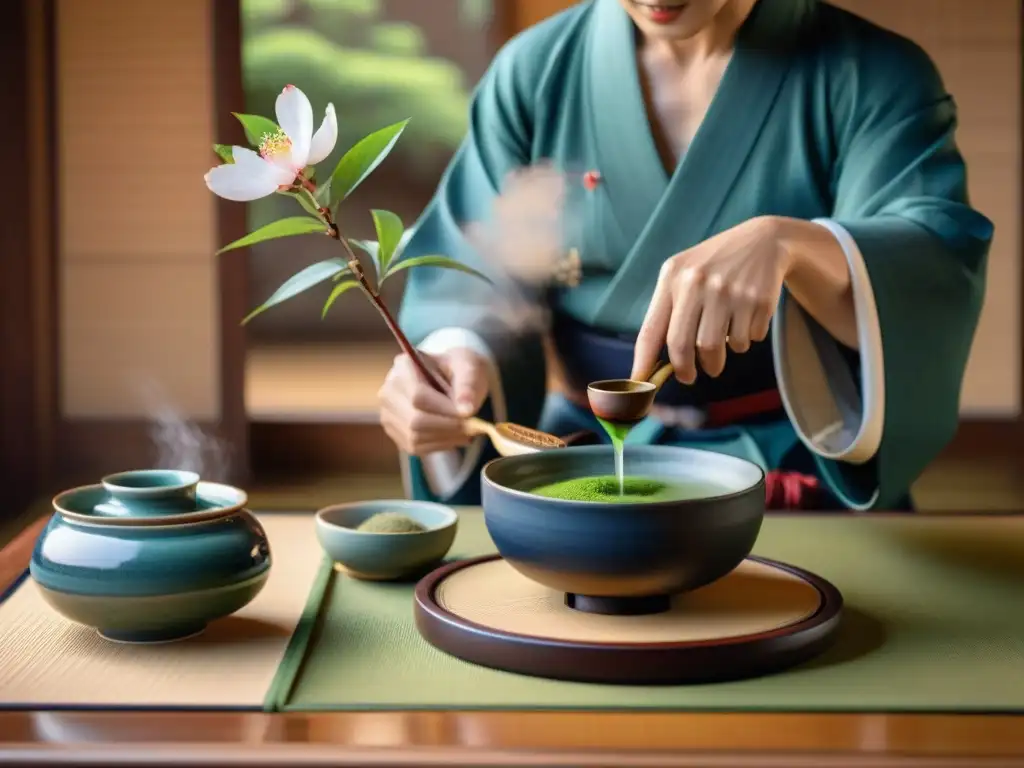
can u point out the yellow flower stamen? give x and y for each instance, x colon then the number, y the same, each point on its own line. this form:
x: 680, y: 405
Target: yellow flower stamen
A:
x: 274, y: 144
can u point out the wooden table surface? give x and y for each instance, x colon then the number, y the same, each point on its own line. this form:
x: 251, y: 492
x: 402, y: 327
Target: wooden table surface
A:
x: 546, y: 739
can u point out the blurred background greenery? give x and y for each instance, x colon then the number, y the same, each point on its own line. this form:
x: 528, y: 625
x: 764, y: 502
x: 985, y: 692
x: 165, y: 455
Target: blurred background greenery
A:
x: 378, y: 62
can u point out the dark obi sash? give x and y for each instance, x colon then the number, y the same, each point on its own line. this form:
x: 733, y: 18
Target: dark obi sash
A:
x: 746, y: 391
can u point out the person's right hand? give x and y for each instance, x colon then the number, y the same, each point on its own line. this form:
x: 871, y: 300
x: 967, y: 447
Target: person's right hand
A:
x: 421, y: 420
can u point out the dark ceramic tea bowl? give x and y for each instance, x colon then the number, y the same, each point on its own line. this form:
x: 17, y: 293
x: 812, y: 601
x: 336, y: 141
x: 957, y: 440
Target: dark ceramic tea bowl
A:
x: 150, y: 556
x: 616, y: 557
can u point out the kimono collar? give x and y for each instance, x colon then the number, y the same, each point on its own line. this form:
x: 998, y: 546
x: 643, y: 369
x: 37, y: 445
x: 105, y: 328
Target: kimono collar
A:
x: 654, y: 209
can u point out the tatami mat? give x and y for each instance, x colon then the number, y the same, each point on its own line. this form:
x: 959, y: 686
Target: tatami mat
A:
x: 49, y: 662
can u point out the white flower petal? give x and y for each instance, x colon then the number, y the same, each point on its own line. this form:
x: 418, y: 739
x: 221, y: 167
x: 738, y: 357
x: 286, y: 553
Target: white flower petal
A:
x: 257, y: 166
x: 295, y: 116
x: 232, y: 183
x: 250, y: 177
x: 325, y: 138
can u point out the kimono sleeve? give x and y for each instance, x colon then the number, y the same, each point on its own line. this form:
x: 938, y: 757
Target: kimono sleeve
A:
x: 918, y: 253
x: 445, y: 308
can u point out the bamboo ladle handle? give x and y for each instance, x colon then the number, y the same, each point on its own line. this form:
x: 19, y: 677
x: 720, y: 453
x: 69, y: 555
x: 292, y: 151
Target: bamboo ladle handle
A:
x: 661, y: 375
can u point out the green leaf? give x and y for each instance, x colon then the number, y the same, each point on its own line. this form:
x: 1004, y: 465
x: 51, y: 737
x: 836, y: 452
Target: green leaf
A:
x: 294, y: 225
x: 309, y: 172
x: 339, y: 289
x: 435, y: 261
x: 256, y: 127
x: 372, y: 248
x: 224, y: 152
x: 323, y: 194
x: 360, y: 161
x: 389, y: 234
x: 303, y: 200
x: 366, y: 246
x: 312, y: 275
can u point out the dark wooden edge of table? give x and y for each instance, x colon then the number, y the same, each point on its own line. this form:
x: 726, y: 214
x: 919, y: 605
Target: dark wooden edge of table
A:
x: 506, y: 738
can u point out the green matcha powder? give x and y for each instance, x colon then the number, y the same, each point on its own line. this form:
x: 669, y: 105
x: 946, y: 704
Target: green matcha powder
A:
x: 605, y: 488
x: 391, y: 522
x: 619, y: 489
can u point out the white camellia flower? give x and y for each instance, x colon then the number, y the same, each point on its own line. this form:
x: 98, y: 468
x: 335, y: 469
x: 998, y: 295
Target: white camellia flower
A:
x: 281, y: 156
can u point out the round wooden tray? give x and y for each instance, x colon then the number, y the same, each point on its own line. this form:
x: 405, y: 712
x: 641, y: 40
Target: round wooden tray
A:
x: 761, y: 618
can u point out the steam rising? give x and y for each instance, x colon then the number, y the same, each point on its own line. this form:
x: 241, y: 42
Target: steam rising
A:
x: 180, y: 443
x: 525, y: 237
x: 525, y: 243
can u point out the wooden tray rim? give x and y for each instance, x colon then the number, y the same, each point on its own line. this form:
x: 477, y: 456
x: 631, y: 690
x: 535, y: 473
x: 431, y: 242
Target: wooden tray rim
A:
x: 829, y: 610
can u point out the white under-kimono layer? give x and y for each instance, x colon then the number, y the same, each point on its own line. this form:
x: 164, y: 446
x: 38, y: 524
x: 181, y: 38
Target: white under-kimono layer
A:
x: 829, y: 413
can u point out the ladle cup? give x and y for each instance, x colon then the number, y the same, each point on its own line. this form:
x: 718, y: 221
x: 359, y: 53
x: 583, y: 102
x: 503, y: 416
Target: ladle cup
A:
x: 627, y: 401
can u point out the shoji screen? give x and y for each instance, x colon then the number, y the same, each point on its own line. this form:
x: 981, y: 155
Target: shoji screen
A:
x: 137, y: 224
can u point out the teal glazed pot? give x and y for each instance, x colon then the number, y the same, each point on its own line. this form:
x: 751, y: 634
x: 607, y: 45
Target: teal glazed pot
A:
x: 619, y: 557
x: 150, y: 556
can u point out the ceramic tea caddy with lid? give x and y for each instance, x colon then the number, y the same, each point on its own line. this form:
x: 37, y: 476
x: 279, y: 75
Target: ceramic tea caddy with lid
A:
x: 150, y: 555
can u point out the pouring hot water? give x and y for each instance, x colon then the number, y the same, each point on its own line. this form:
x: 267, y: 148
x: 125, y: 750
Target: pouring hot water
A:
x: 618, y: 405
x: 621, y: 404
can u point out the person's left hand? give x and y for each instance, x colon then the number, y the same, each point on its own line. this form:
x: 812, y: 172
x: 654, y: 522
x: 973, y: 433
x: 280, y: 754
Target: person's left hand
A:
x: 722, y: 291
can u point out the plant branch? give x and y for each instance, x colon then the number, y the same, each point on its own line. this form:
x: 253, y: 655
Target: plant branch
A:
x: 373, y: 295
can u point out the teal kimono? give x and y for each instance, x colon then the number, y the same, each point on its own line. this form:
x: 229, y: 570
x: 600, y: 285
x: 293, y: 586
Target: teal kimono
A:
x: 820, y: 116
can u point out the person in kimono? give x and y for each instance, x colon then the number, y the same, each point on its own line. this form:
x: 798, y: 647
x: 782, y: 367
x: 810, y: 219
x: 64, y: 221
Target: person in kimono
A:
x: 767, y: 193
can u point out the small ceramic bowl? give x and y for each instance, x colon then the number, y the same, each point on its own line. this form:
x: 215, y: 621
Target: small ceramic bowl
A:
x: 386, y: 556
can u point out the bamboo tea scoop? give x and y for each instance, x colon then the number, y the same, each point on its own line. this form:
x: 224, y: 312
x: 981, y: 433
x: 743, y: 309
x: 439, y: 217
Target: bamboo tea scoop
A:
x: 513, y: 439
x: 508, y: 439
x: 627, y: 401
